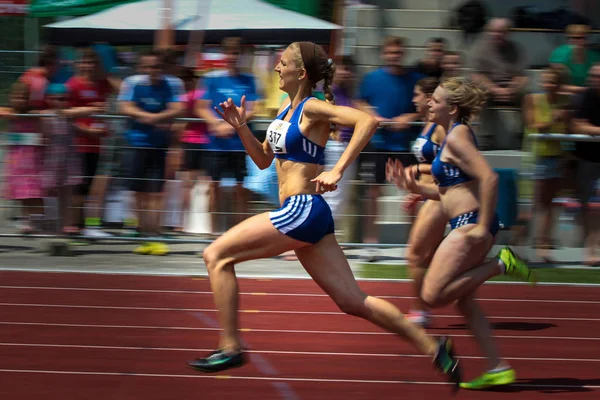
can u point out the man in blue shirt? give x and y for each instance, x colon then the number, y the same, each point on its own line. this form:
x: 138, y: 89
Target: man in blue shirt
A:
x: 152, y: 101
x: 387, y: 93
x: 227, y: 155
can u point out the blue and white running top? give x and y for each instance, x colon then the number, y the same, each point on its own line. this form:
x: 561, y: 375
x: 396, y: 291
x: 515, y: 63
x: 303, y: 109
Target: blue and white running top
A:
x: 424, y: 149
x: 304, y: 217
x: 445, y: 173
x: 288, y: 143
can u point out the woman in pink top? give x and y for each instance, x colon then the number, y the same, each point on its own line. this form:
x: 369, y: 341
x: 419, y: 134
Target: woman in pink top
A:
x: 193, y: 137
x: 24, y: 157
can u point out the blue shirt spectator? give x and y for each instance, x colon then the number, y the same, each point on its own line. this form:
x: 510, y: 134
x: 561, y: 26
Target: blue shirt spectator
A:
x: 153, y: 99
x: 391, y: 96
x: 221, y: 85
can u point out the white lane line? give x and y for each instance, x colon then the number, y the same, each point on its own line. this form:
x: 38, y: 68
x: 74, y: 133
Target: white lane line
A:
x: 280, y: 352
x: 281, y: 312
x: 272, y: 379
x: 192, y: 273
x: 277, y: 331
x: 197, y: 292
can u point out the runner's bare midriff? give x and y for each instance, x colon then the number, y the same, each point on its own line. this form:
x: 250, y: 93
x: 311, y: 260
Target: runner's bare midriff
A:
x: 295, y: 178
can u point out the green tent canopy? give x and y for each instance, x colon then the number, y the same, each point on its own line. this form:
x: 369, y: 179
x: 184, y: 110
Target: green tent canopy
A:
x: 55, y: 8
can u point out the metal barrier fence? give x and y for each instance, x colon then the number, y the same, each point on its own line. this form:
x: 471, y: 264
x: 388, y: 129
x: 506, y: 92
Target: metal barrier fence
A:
x: 357, y: 184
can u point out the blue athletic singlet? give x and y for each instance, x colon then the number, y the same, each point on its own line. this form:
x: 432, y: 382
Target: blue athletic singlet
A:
x: 445, y: 173
x: 288, y: 143
x: 424, y: 149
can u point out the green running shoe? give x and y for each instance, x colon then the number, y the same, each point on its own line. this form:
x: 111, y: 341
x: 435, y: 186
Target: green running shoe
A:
x: 515, y: 266
x: 446, y: 362
x: 218, y: 361
x: 489, y: 379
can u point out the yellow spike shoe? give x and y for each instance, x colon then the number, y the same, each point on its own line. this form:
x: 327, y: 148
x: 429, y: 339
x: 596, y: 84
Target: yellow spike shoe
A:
x: 159, y: 249
x: 490, y: 379
x: 515, y: 266
x: 144, y: 248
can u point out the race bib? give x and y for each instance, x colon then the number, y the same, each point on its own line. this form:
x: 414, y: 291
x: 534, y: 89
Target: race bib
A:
x: 276, y: 134
x: 417, y: 149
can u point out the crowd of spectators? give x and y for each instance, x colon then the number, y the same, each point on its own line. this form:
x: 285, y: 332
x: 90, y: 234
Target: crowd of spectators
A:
x: 71, y: 157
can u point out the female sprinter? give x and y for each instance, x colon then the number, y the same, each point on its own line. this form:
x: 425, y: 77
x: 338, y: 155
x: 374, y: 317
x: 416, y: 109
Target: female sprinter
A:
x: 430, y: 223
x: 296, y: 138
x: 467, y: 190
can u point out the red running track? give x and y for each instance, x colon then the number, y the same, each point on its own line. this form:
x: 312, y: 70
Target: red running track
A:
x: 92, y: 336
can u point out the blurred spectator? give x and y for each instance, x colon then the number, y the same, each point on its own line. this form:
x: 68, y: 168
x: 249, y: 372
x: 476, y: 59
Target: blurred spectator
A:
x: 193, y: 137
x: 38, y: 78
x: 24, y: 158
x: 62, y: 164
x: 273, y: 95
x: 172, y: 71
x: 152, y: 101
x: 386, y: 93
x: 89, y: 87
x: 576, y: 56
x: 452, y: 64
x: 343, y: 83
x: 227, y: 155
x: 113, y: 154
x: 546, y: 112
x: 431, y: 65
x: 587, y: 122
x: 499, y: 64
x: 170, y: 65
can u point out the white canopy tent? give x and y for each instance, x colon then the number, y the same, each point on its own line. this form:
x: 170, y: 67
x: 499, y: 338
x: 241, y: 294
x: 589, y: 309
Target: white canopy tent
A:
x: 135, y: 23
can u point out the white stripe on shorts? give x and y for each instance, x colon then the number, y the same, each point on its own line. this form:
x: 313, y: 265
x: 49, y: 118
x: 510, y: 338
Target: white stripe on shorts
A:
x: 283, y: 211
x: 295, y: 216
x: 292, y: 214
x: 300, y: 219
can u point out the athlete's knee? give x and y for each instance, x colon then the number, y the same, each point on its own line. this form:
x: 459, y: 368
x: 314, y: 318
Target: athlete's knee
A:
x: 431, y: 296
x: 210, y: 256
x: 213, y: 258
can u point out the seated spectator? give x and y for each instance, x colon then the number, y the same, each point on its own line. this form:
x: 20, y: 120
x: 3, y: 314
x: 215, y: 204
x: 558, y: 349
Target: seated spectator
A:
x: 499, y: 64
x: 576, y: 56
x: 431, y: 65
x: 587, y: 122
x: 452, y: 64
x: 546, y: 112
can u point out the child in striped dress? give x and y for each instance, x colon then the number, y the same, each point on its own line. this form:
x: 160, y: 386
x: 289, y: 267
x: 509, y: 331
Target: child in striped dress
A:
x: 62, y: 165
